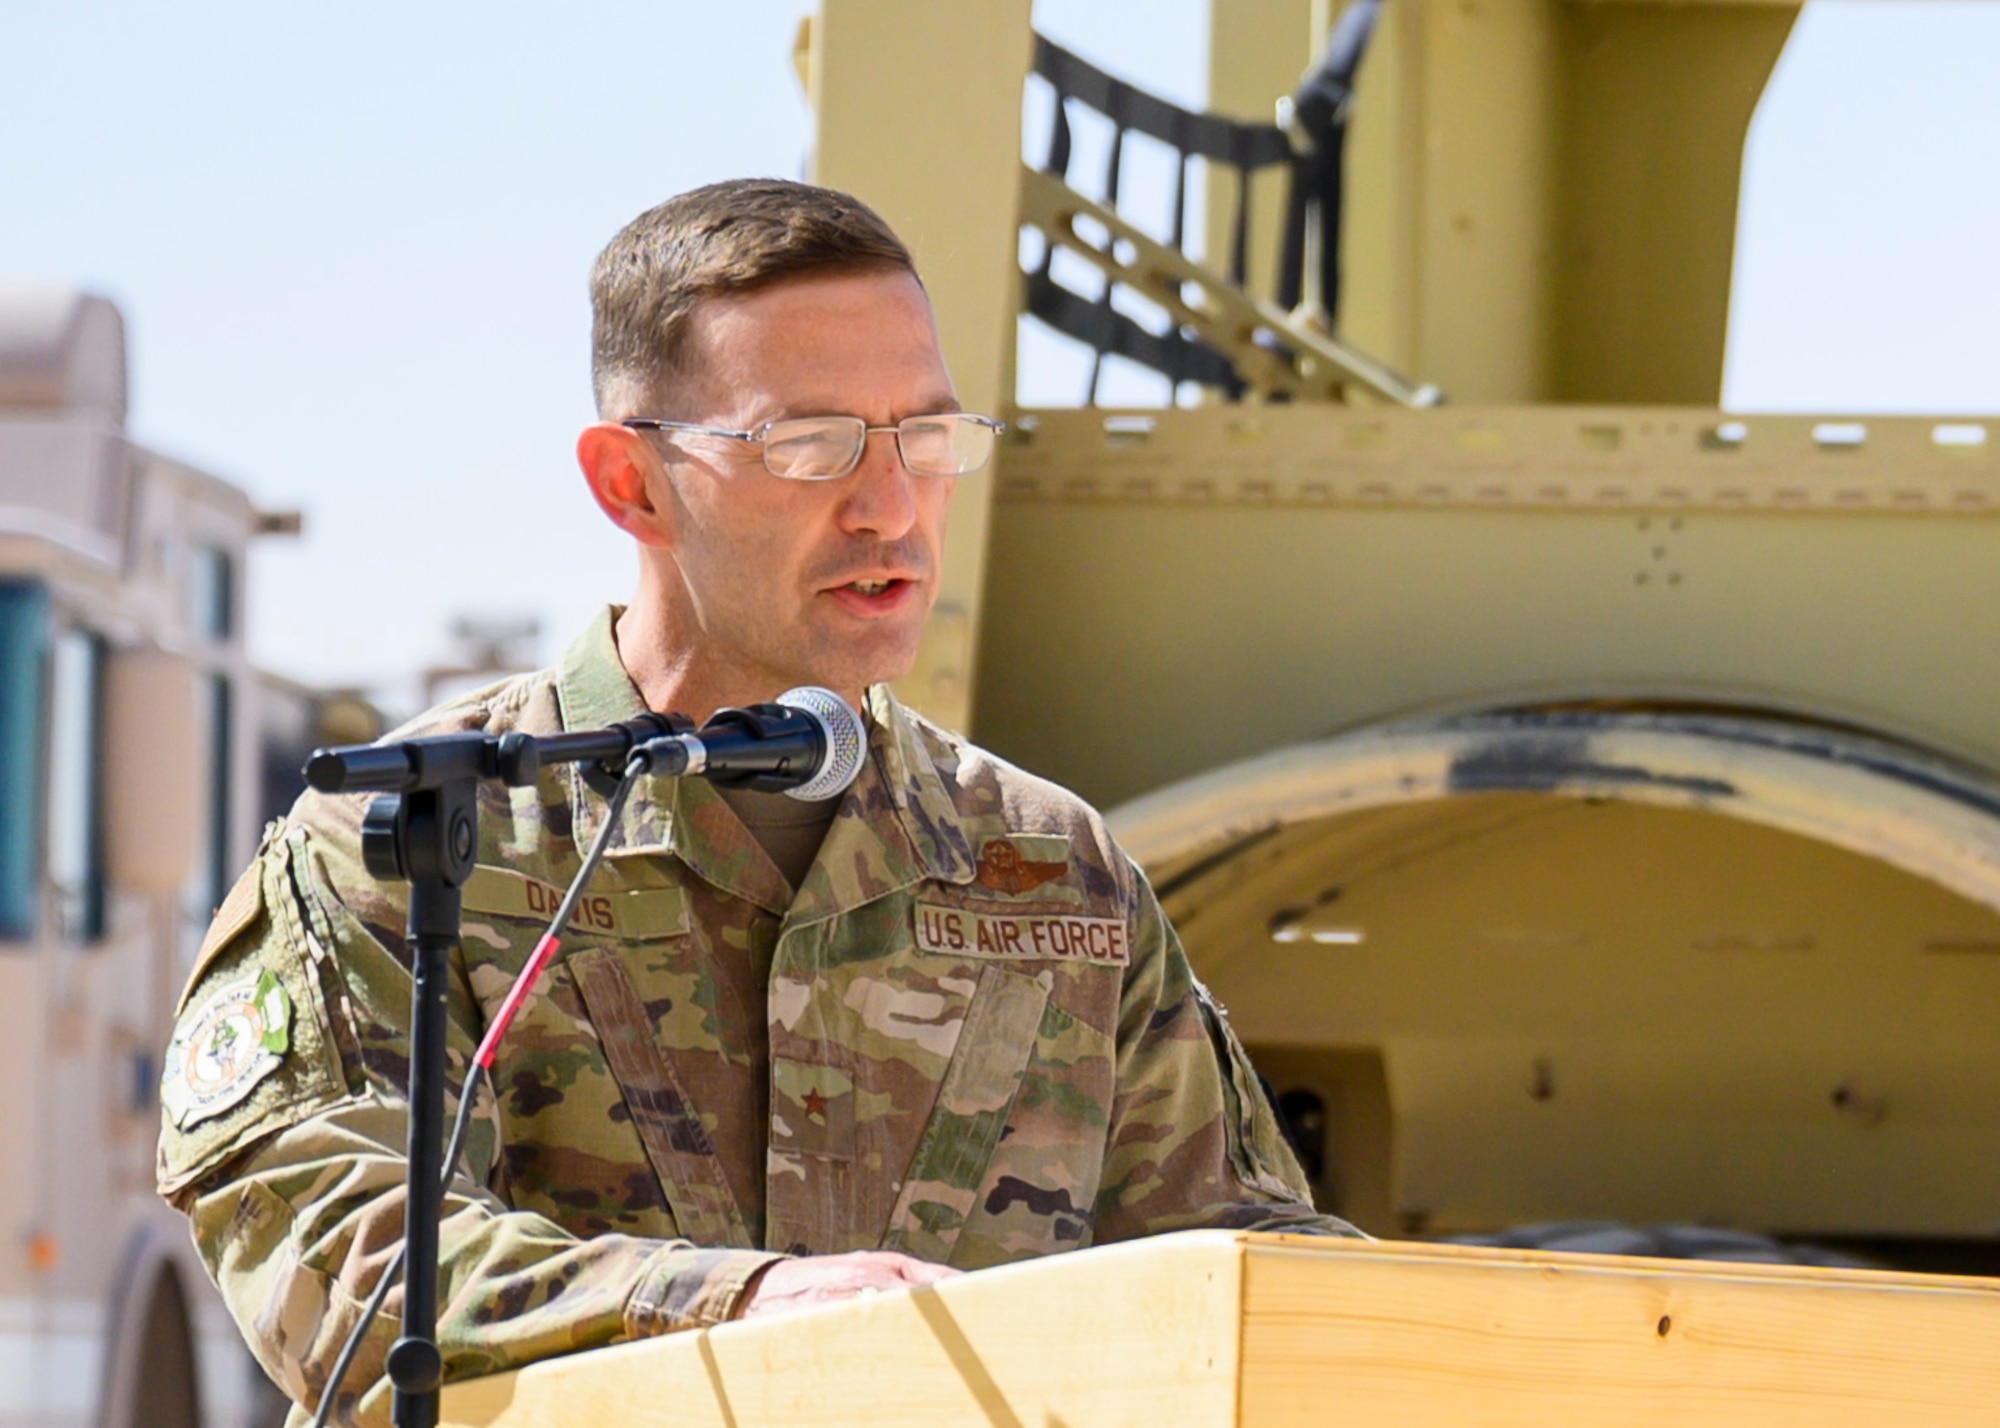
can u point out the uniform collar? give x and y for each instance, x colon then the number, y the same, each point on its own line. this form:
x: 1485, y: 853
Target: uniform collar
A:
x: 684, y: 817
x: 897, y: 824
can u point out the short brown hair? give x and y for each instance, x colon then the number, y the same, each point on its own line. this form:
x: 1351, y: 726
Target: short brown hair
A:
x: 725, y: 238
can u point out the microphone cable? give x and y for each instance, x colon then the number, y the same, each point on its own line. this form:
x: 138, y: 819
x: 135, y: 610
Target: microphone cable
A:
x: 640, y: 761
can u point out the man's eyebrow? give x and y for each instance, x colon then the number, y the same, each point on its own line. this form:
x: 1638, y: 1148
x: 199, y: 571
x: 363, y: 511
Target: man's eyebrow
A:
x: 935, y: 406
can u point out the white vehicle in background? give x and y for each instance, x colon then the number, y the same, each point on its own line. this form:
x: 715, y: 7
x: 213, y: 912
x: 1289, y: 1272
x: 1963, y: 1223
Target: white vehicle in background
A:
x: 132, y: 788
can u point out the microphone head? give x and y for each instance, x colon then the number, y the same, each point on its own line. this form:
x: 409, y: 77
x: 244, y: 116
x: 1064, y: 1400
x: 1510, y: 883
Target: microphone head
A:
x: 846, y: 740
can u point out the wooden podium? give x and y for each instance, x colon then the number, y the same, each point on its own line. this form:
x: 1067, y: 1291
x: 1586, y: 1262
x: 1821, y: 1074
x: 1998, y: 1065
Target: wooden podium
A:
x: 1215, y: 1327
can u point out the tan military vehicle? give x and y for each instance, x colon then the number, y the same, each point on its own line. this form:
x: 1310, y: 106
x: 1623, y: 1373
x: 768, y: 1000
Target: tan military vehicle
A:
x: 1586, y: 801
x: 132, y: 736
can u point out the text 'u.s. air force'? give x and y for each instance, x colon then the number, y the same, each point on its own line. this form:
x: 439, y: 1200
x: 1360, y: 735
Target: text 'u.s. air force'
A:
x: 961, y: 932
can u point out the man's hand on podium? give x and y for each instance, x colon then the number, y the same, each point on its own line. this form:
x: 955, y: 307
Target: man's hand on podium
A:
x: 791, y: 1284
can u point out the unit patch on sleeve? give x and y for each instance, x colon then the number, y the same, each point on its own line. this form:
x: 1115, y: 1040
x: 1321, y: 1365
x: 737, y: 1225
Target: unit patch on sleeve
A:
x: 961, y: 932
x: 225, y: 1046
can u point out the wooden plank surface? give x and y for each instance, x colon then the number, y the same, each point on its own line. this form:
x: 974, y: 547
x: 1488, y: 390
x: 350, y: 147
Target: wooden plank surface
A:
x: 1216, y: 1328
x: 1395, y: 1334
x: 1136, y: 1333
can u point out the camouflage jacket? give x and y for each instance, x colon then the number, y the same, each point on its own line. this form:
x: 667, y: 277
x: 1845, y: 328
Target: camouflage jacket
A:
x: 971, y: 1036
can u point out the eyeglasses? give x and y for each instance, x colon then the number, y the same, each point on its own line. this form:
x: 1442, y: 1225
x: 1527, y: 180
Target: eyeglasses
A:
x: 828, y: 447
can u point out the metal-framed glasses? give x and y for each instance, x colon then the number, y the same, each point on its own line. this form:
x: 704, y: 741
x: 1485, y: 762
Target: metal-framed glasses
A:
x: 824, y: 448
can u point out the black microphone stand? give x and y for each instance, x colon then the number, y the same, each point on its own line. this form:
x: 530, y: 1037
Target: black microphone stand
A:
x: 425, y: 829
x: 428, y: 834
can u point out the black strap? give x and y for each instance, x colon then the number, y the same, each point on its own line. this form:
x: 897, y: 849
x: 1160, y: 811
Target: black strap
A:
x: 1314, y: 193
x: 1228, y: 141
x: 1107, y: 331
x: 1320, y: 108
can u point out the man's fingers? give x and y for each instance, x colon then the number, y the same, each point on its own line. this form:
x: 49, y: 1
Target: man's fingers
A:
x: 798, y: 1283
x: 918, y: 1271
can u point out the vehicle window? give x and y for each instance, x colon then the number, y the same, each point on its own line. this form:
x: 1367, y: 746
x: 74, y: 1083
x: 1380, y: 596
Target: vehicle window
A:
x: 220, y: 741
x: 23, y: 647
x: 76, y: 793
x: 216, y: 861
x: 212, y: 592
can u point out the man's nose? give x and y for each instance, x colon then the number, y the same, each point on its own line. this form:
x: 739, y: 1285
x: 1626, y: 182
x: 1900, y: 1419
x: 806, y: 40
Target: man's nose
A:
x: 879, y: 495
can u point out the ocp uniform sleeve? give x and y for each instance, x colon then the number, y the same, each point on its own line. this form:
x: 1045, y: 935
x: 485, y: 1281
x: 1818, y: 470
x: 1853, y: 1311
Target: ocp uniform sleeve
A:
x: 296, y: 1191
x: 1193, y: 1141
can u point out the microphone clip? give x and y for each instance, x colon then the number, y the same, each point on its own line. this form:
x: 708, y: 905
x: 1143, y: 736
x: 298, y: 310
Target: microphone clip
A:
x: 768, y: 748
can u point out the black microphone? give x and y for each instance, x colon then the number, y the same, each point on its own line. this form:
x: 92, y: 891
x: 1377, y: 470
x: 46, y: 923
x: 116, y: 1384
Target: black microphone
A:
x: 809, y: 743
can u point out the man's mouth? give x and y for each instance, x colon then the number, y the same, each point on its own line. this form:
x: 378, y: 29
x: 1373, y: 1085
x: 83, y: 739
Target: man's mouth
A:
x: 875, y: 587
x: 874, y: 596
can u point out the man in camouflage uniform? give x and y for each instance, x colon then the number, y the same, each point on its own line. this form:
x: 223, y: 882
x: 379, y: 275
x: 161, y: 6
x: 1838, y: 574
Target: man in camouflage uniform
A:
x: 790, y: 1053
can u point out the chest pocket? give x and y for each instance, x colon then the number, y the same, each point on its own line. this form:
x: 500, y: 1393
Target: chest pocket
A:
x: 570, y: 1117
x: 980, y: 1082
x: 678, y: 1146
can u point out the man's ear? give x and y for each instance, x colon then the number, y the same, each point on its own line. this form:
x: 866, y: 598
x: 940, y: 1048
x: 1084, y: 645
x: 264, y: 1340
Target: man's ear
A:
x: 616, y: 462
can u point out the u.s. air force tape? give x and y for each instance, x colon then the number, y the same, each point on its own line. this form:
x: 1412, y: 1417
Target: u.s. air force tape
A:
x: 961, y: 932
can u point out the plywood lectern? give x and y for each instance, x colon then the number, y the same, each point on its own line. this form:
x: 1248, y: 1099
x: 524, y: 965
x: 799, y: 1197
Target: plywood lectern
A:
x: 1218, y: 1328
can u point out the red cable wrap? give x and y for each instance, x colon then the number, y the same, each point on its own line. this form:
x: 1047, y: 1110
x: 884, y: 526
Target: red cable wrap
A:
x: 489, y: 1044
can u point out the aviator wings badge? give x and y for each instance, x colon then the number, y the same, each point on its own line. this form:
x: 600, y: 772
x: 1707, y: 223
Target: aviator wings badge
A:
x: 1002, y: 868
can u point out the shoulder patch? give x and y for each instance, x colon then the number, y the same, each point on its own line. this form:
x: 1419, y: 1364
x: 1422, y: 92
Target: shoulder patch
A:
x: 219, y: 1053
x: 242, y: 906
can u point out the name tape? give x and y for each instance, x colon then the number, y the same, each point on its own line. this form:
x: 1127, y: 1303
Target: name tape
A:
x: 960, y: 932
x: 632, y: 912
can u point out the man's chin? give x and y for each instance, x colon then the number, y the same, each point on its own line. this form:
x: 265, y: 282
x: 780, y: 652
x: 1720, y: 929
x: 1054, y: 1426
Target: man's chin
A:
x: 855, y: 684
x: 853, y: 664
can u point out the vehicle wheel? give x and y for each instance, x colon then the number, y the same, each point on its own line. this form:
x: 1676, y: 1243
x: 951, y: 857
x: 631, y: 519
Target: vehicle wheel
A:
x: 167, y: 1395
x: 268, y: 1405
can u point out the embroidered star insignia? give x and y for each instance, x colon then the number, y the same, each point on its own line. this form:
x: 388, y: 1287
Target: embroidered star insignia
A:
x: 815, y: 1103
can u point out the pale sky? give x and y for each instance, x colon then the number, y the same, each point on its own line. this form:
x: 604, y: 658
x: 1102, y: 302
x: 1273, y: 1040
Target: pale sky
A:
x: 351, y: 248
